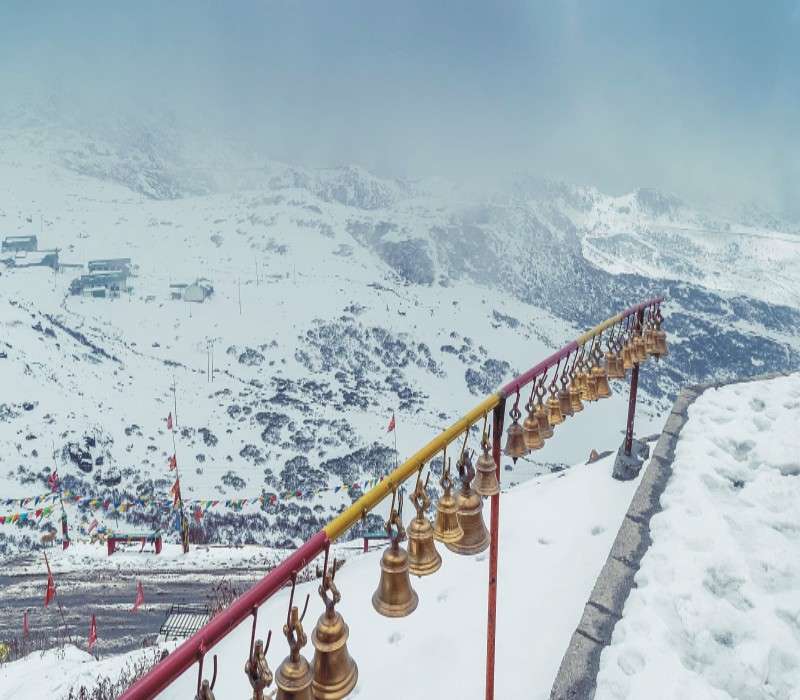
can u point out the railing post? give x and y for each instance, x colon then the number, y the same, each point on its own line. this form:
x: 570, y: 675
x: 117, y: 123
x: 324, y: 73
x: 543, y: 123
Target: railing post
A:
x: 632, y: 398
x: 494, y: 531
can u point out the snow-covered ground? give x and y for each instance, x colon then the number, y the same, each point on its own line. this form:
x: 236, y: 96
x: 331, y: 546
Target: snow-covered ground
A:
x: 555, y: 533
x: 716, y: 610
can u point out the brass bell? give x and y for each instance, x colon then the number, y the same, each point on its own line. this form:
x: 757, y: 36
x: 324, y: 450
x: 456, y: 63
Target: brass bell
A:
x: 485, y: 482
x: 660, y: 342
x: 545, y: 429
x: 639, y: 355
x: 294, y: 676
x: 563, y: 396
x: 257, y: 669
x: 627, y: 356
x: 530, y: 430
x: 335, y: 672
x: 588, y: 386
x: 423, y: 559
x: 470, y: 513
x: 394, y: 596
x: 601, y: 382
x: 515, y: 440
x: 554, y: 415
x: 614, y: 365
x: 649, y: 341
x: 575, y: 394
x: 445, y: 526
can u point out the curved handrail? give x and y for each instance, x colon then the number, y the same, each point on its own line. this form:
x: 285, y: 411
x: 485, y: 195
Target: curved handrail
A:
x: 196, y: 646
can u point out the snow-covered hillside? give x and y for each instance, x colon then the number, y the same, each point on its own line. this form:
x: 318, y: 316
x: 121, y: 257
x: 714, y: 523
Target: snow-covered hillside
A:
x: 339, y: 298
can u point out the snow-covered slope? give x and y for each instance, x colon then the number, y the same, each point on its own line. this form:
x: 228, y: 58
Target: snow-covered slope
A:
x: 339, y: 298
x: 716, y: 608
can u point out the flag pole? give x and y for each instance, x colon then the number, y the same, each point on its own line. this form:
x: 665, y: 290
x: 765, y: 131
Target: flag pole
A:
x: 60, y: 608
x: 184, y: 522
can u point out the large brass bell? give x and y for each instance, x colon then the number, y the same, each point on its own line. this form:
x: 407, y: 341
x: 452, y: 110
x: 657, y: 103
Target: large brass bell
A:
x: 545, y: 429
x: 423, y: 559
x: 530, y: 430
x: 485, y: 482
x: 294, y: 676
x: 515, y: 440
x: 394, y: 596
x: 588, y: 384
x: 554, y: 415
x: 445, y: 526
x: 257, y: 669
x: 470, y: 513
x: 649, y: 341
x: 602, y: 389
x: 335, y: 672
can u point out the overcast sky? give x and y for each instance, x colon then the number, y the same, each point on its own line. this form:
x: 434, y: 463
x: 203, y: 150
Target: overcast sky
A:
x: 699, y: 98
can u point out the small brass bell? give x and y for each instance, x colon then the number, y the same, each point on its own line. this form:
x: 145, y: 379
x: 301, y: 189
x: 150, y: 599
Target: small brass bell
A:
x: 627, y: 356
x: 394, y: 596
x: 470, y: 513
x: 614, y: 365
x: 515, y: 440
x: 335, y: 672
x: 485, y: 482
x: 563, y: 396
x: 639, y: 355
x: 257, y: 669
x: 649, y: 342
x: 294, y: 676
x: 588, y: 386
x: 530, y: 430
x: 575, y: 394
x: 660, y: 342
x: 423, y: 559
x: 545, y: 429
x: 601, y: 383
x: 554, y: 415
x: 445, y: 526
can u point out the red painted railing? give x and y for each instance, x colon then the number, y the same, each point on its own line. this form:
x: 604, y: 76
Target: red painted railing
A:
x: 194, y: 649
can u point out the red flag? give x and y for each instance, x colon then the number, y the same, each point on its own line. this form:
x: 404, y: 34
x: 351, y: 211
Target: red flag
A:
x: 50, y: 593
x: 391, y: 425
x: 173, y: 462
x: 139, y: 596
x: 176, y: 492
x: 92, y: 633
x: 169, y: 421
x: 198, y: 514
x: 26, y: 631
x: 92, y: 525
x: 53, y: 481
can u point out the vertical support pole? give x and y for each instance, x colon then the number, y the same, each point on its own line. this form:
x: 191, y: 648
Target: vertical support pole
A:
x: 494, y: 531
x: 634, y: 387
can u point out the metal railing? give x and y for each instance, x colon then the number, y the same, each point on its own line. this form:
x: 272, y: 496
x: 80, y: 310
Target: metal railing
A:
x: 194, y: 649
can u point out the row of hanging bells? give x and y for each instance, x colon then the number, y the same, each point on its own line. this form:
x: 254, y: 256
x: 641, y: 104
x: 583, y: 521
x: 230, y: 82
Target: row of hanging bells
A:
x: 586, y: 381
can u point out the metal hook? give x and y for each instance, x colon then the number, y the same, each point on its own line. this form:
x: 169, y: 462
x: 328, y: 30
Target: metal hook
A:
x: 201, y: 656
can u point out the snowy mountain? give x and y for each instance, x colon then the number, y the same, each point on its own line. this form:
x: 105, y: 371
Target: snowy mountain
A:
x: 339, y: 297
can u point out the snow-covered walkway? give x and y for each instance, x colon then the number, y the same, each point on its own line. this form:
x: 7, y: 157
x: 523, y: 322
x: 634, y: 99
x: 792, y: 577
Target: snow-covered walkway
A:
x: 716, y: 610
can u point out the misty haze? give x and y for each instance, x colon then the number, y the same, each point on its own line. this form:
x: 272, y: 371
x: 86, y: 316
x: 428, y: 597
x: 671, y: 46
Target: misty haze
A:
x: 283, y: 284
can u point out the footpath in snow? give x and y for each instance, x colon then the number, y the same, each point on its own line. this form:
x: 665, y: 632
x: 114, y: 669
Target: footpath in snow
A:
x: 716, y: 608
